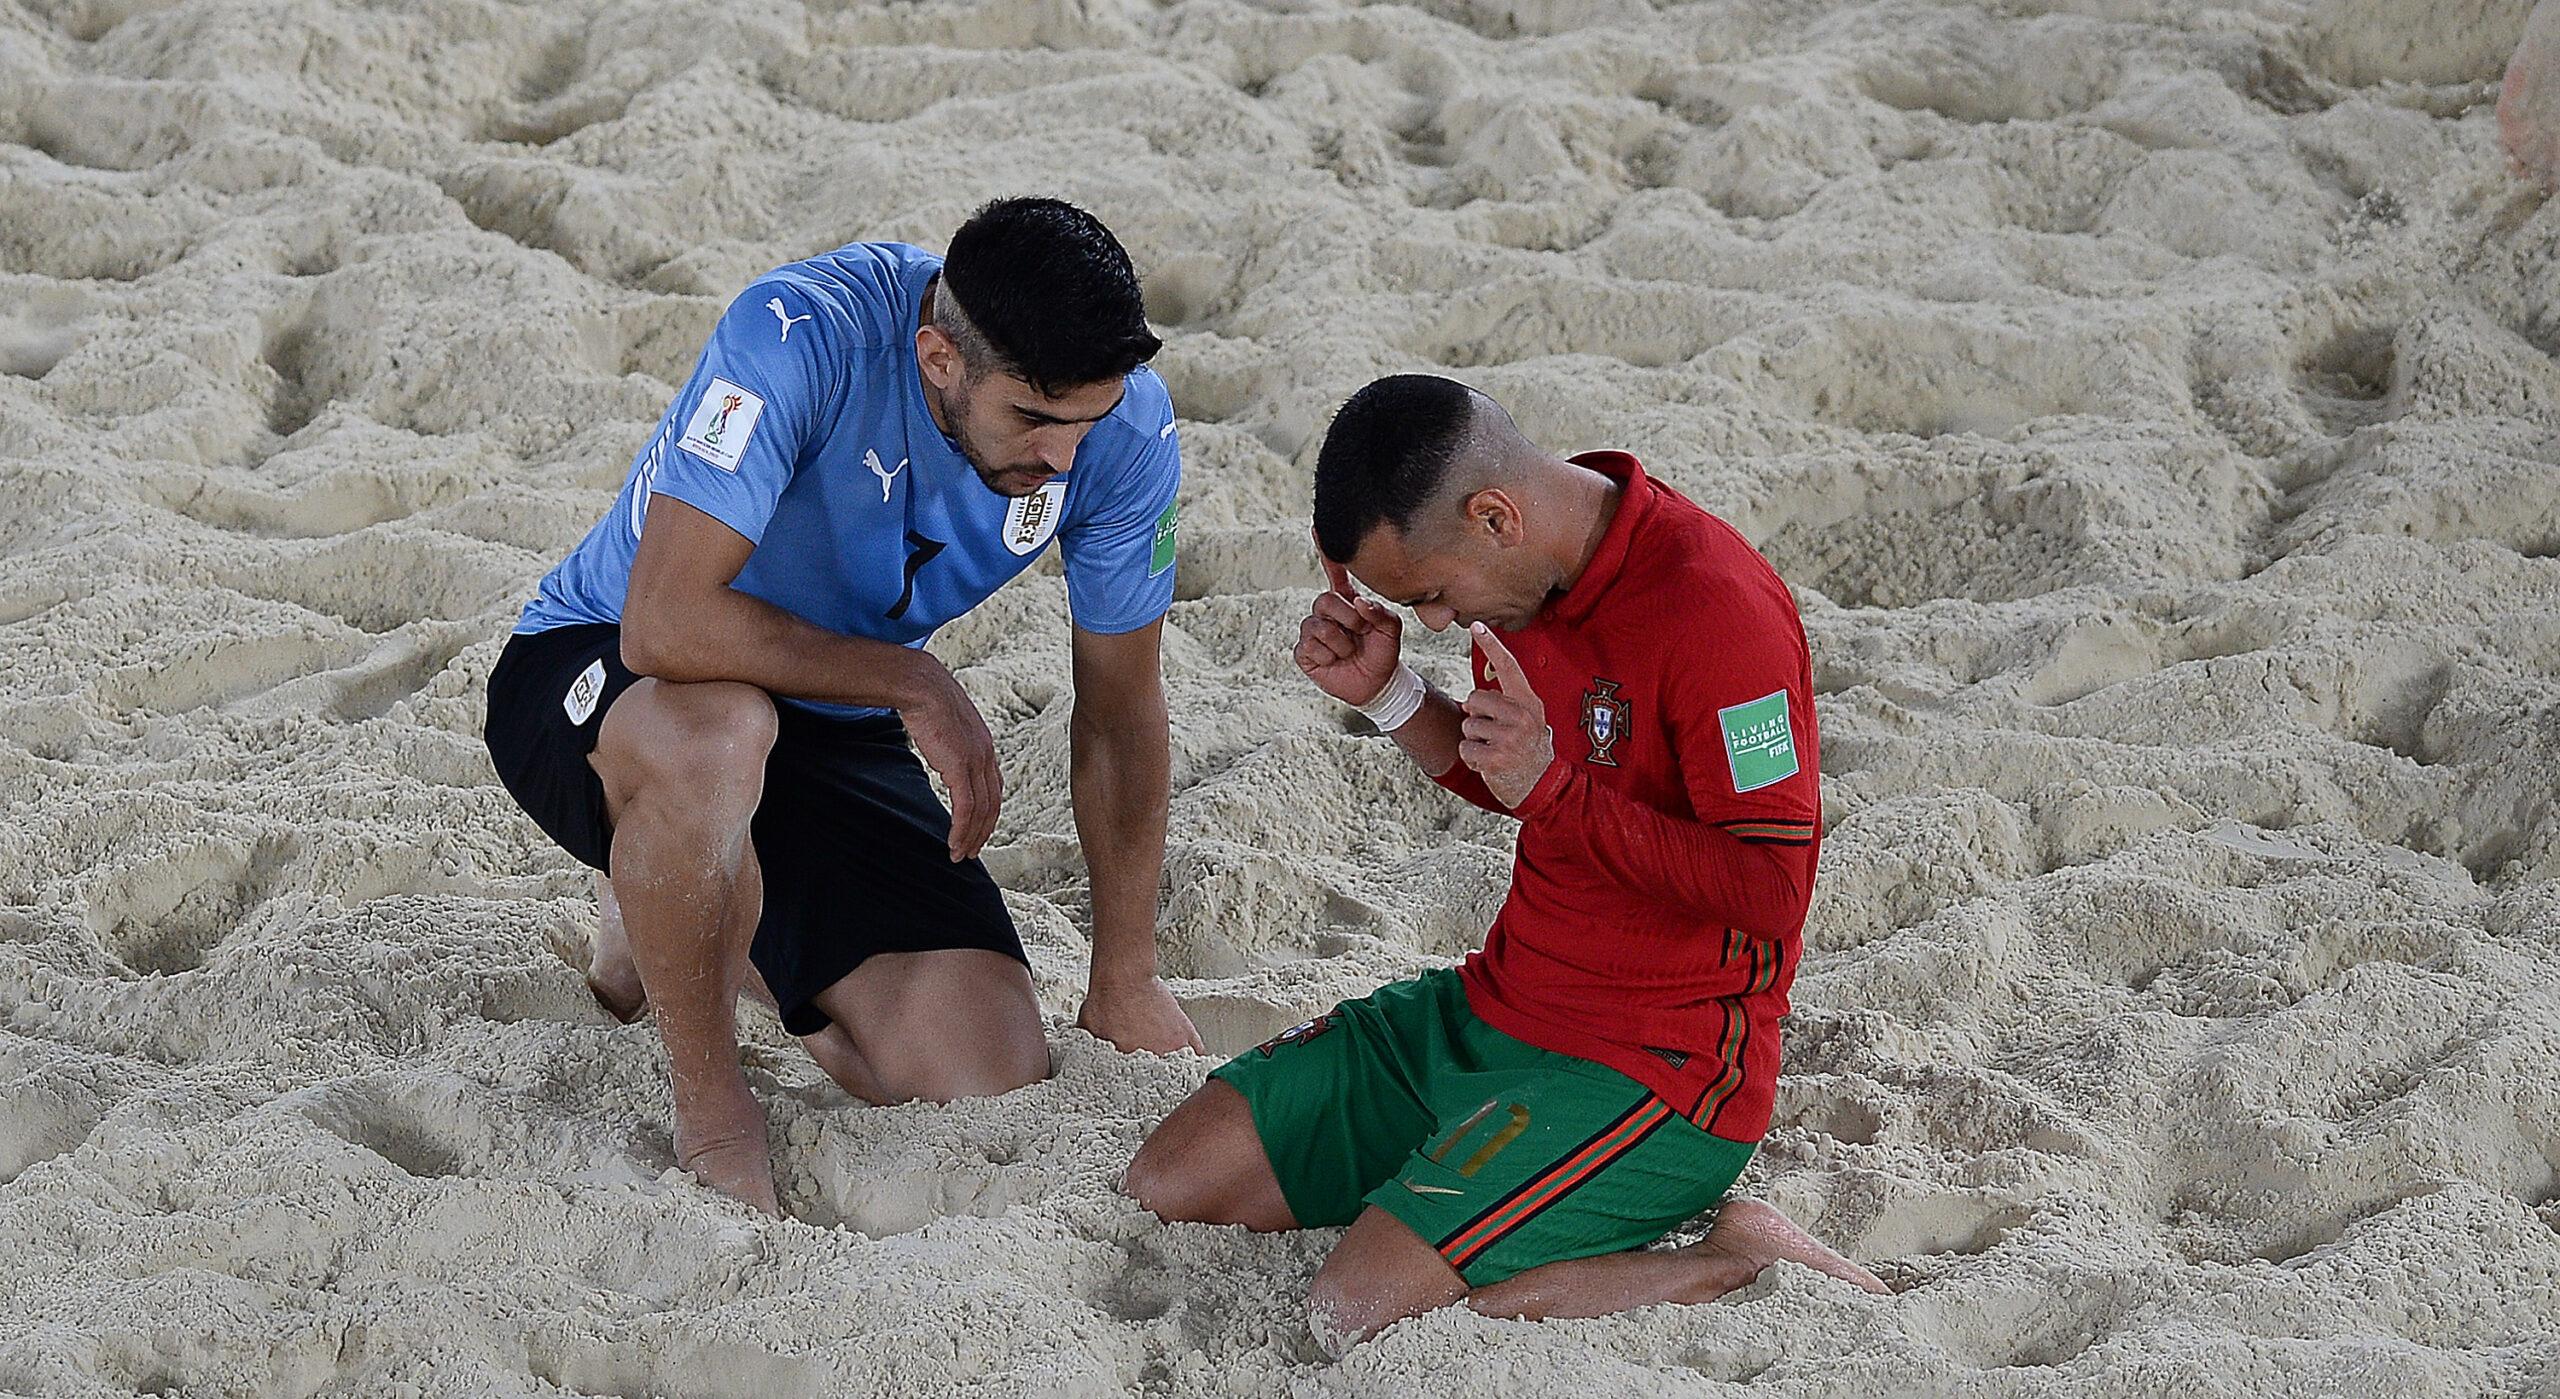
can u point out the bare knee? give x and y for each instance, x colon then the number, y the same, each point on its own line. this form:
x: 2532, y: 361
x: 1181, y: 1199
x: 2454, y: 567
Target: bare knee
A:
x: 1020, y: 1060
x: 1162, y: 1185
x: 1381, y: 1273
x: 952, y: 1023
x: 1177, y: 1191
x: 1337, y: 1315
x: 1205, y: 1165
x: 1344, y: 1308
x: 690, y: 752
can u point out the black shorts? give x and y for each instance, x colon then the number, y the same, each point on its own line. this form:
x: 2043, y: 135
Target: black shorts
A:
x: 853, y: 843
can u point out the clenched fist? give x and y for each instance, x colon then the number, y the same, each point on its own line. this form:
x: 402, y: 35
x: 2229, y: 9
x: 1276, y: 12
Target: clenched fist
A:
x: 1348, y: 644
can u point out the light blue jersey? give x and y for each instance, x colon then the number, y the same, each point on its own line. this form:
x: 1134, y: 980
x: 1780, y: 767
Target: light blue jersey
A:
x: 804, y: 428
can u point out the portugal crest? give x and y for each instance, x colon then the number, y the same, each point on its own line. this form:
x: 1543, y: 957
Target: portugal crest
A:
x: 1604, y: 719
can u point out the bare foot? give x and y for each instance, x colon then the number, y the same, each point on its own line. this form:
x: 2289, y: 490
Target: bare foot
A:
x: 723, y: 1144
x: 1748, y: 1229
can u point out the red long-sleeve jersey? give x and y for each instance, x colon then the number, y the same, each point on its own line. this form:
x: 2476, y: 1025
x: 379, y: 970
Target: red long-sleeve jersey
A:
x: 1665, y: 861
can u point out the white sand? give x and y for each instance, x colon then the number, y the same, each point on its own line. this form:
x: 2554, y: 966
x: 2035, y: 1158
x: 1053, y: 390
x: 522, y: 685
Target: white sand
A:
x: 2154, y: 407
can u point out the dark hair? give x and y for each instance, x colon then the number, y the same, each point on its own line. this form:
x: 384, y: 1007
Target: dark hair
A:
x: 1386, y: 456
x: 1051, y: 292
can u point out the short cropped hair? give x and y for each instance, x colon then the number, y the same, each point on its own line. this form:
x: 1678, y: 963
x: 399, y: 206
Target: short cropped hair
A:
x: 1050, y: 292
x: 1386, y: 456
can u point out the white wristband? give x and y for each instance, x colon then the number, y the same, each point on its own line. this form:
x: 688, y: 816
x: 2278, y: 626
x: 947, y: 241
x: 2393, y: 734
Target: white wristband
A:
x: 1397, y: 702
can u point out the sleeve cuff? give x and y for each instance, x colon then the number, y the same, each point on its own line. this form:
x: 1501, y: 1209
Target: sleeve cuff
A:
x: 1549, y: 792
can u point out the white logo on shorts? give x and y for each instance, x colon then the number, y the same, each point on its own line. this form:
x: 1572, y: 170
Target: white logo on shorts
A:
x: 580, y: 703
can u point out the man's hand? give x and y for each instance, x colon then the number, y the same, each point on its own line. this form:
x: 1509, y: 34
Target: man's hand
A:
x: 1136, y: 1015
x: 1348, y: 644
x: 1505, y: 737
x: 950, y: 735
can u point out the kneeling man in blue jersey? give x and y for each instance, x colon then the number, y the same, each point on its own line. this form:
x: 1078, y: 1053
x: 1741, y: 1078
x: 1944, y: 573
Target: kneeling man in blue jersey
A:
x: 712, y: 698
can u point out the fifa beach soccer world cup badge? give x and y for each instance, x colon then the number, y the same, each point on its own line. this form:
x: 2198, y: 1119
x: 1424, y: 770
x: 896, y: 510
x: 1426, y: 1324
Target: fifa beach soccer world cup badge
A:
x: 721, y: 424
x: 1604, y: 719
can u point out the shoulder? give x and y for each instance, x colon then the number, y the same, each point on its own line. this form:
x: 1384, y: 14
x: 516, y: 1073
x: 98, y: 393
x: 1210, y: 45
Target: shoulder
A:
x: 1717, y: 584
x: 1136, y: 435
x: 859, y: 296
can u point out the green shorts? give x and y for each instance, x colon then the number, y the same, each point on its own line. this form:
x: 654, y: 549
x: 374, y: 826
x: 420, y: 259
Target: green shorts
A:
x: 1499, y: 1154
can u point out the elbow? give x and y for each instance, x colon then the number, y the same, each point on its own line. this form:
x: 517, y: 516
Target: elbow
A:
x: 650, y: 648
x: 1771, y: 930
x: 1122, y: 723
x: 1767, y: 901
x: 1781, y: 916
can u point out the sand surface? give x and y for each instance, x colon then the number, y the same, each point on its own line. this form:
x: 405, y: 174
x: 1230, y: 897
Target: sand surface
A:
x: 2153, y: 406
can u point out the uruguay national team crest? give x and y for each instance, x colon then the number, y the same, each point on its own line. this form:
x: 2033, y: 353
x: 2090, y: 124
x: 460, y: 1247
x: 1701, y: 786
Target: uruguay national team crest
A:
x: 1031, y: 519
x: 1604, y: 719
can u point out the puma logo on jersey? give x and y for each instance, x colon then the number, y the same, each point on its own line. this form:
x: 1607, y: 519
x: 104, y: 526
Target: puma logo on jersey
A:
x: 886, y: 474
x: 787, y: 319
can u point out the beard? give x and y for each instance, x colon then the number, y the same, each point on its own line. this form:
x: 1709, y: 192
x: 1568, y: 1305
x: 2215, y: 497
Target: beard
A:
x: 1006, y: 481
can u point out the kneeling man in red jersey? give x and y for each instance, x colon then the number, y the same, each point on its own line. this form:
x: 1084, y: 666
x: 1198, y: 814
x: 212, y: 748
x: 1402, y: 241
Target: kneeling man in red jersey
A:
x: 1514, y: 1131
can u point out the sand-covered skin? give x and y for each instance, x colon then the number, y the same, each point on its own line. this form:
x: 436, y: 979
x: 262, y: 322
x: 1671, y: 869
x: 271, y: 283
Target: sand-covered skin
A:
x: 2154, y: 408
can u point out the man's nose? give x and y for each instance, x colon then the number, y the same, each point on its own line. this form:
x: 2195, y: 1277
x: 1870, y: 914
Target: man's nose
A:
x: 1056, y: 450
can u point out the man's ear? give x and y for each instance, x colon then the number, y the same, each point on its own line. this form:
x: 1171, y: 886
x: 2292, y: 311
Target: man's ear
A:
x: 938, y: 357
x: 1492, y: 512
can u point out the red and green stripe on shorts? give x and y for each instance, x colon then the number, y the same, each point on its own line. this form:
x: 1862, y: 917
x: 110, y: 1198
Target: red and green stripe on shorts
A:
x: 1543, y: 1190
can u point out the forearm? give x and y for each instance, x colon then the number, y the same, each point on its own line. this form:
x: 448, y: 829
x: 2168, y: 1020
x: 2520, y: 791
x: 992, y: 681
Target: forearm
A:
x: 724, y: 634
x: 1430, y: 737
x: 1704, y: 870
x: 1121, y: 776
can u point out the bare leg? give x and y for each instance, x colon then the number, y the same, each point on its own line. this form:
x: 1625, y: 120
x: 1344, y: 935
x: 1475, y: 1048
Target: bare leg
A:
x: 1382, y: 1273
x: 615, y: 983
x: 683, y: 769
x: 831, y: 1047
x: 1748, y: 1236
x: 1205, y: 1163
x: 958, y: 1023
x: 835, y: 1052
x: 612, y: 978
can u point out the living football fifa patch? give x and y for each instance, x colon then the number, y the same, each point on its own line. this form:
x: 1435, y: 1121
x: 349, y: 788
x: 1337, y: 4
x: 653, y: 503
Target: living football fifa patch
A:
x: 1166, y: 526
x: 1758, y: 743
x: 721, y: 424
